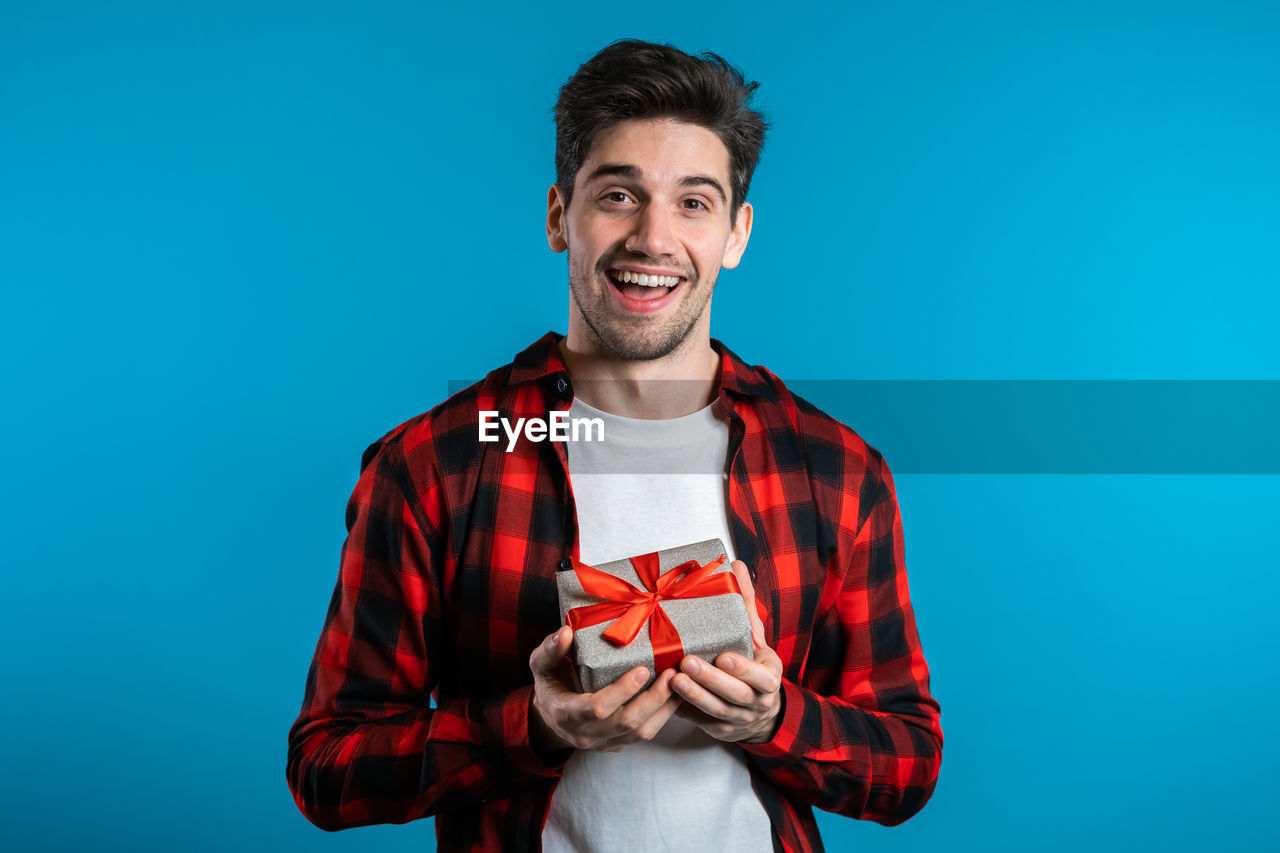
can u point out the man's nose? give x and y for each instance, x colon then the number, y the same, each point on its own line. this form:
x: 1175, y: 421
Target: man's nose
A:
x: 654, y: 232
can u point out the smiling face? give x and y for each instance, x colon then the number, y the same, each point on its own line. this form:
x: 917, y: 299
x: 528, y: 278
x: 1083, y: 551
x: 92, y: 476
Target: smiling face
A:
x: 647, y: 232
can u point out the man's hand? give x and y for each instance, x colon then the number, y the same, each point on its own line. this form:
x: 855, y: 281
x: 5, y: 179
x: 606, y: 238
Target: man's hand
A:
x: 737, y: 699
x: 561, y: 717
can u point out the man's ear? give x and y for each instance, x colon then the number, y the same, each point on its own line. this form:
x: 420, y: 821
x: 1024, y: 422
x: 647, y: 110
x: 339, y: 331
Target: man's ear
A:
x: 738, y: 238
x: 557, y: 232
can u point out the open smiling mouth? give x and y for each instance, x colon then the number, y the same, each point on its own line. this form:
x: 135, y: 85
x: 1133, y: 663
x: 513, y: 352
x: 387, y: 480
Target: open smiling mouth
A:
x: 641, y: 286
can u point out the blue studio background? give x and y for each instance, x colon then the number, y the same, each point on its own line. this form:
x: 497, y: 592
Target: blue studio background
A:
x: 239, y: 241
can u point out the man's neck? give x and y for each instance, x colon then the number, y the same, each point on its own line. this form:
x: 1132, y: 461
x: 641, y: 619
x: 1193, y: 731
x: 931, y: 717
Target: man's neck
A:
x: 675, y: 385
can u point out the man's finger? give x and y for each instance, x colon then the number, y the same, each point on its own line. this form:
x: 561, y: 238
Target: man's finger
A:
x: 602, y: 704
x: 696, y: 715
x: 763, y: 675
x: 547, y: 656
x: 632, y: 719
x: 743, y: 574
x: 697, y: 695
x: 650, y: 702
x: 655, y: 721
x: 713, y: 726
x: 659, y: 718
x: 636, y: 724
x: 719, y: 682
x: 647, y: 731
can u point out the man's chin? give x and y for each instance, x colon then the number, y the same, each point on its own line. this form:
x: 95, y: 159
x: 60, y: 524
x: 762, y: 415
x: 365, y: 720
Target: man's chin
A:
x: 630, y: 350
x: 627, y: 344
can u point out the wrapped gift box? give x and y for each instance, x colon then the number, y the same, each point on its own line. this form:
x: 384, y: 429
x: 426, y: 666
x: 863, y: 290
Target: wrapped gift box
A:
x: 707, y: 613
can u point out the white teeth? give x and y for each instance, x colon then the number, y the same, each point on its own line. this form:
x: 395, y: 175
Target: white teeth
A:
x: 647, y: 280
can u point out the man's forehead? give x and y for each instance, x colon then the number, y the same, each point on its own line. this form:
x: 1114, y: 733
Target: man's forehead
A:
x: 656, y: 151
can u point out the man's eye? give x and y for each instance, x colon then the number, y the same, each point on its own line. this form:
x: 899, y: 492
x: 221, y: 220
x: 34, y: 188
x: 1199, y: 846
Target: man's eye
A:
x: 694, y: 204
x: 615, y: 196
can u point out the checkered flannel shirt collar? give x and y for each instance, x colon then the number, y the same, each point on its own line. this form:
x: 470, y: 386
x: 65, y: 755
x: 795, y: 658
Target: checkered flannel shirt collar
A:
x: 542, y: 361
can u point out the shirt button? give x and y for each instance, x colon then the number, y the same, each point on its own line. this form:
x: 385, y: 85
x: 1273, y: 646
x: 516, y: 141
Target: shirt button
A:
x: 566, y: 564
x: 562, y: 385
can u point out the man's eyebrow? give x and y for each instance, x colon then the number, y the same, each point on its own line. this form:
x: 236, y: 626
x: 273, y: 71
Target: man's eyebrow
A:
x: 704, y: 181
x: 630, y: 172
x: 619, y: 170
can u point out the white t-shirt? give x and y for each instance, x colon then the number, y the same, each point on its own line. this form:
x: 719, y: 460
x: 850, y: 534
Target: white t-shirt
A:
x: 650, y: 485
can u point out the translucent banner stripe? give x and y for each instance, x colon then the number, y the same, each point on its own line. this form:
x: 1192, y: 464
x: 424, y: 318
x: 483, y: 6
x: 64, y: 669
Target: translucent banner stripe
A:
x: 1058, y: 426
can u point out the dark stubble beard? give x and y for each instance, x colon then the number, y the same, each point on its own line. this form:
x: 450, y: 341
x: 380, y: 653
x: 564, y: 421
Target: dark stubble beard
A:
x: 614, y: 334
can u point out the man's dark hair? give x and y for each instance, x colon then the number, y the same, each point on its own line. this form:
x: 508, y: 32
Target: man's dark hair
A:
x: 632, y: 79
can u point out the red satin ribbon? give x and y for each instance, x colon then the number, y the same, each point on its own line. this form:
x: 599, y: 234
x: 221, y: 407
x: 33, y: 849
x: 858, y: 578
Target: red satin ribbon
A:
x: 631, y: 606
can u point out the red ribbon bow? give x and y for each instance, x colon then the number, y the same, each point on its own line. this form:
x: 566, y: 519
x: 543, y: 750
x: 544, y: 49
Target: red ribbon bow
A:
x: 631, y: 606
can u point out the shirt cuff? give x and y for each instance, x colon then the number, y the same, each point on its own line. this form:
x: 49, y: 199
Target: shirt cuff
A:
x: 784, y: 736
x: 513, y: 731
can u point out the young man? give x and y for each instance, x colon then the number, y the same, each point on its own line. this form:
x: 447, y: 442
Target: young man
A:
x: 447, y: 586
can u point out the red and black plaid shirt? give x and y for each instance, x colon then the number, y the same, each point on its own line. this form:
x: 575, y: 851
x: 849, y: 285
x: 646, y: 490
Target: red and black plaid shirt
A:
x: 447, y: 583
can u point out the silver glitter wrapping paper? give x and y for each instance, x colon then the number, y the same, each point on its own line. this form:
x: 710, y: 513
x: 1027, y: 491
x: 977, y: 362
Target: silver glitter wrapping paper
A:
x: 707, y: 626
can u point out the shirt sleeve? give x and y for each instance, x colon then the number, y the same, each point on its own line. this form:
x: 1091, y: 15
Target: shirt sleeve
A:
x: 862, y: 738
x: 367, y: 746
